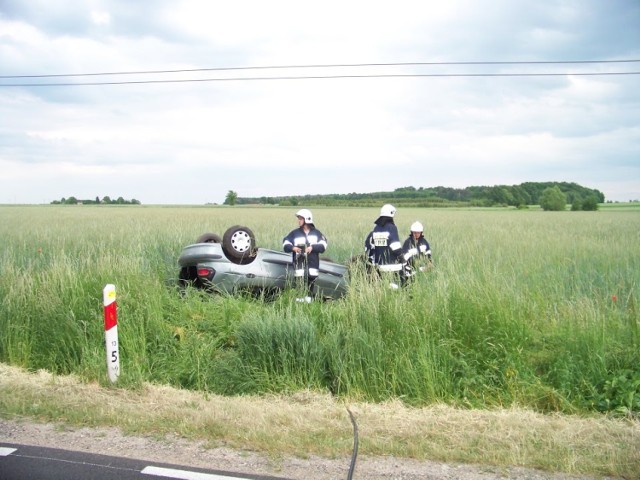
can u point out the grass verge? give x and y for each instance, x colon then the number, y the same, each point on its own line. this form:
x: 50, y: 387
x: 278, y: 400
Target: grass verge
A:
x: 309, y: 423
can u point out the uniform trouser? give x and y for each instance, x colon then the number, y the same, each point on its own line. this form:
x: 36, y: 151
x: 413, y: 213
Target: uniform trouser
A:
x: 305, y: 277
x: 395, y: 272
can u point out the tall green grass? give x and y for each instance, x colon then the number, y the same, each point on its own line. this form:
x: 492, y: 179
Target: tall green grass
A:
x: 528, y: 308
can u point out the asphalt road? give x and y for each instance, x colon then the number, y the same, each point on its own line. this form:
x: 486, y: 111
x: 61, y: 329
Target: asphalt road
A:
x: 21, y: 462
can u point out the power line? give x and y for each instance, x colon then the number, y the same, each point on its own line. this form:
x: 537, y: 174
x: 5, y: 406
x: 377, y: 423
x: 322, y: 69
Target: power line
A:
x: 345, y: 65
x: 317, y: 77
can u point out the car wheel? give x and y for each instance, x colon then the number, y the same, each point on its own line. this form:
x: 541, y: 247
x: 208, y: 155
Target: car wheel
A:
x: 239, y: 244
x: 209, y: 238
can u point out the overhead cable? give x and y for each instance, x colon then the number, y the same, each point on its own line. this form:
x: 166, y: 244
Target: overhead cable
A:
x: 337, y: 65
x: 67, y: 83
x: 318, y: 77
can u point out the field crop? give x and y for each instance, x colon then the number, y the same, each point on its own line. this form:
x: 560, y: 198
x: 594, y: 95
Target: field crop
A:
x: 527, y: 308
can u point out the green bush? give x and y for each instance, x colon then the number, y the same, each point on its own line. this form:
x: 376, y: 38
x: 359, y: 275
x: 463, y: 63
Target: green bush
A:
x: 619, y: 393
x: 590, y: 204
x: 553, y: 199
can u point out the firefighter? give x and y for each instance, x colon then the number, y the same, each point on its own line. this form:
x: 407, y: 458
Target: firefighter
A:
x: 305, y: 243
x: 416, y: 250
x: 383, y: 247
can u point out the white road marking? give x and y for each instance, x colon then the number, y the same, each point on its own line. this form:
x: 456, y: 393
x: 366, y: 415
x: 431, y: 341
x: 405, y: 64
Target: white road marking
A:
x: 5, y: 451
x: 184, y: 474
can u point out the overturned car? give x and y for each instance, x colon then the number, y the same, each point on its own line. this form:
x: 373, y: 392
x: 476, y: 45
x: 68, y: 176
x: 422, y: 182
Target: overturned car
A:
x: 234, y: 263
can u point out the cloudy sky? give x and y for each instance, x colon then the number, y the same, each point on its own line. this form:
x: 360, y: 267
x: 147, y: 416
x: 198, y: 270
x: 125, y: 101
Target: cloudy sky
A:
x: 376, y: 96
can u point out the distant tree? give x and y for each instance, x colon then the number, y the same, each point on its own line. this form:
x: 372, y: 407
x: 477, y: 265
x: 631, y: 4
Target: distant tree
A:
x: 231, y: 198
x: 576, y: 204
x: 71, y: 201
x: 501, y: 195
x: 120, y: 201
x: 529, y: 193
x: 553, y: 199
x: 106, y: 199
x: 97, y: 200
x: 521, y: 196
x: 590, y: 203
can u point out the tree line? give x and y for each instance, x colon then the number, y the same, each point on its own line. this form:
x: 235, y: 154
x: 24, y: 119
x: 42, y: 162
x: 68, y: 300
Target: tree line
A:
x: 106, y: 200
x: 528, y: 193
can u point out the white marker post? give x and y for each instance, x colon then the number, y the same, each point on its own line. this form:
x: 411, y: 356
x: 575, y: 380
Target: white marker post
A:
x: 111, y: 332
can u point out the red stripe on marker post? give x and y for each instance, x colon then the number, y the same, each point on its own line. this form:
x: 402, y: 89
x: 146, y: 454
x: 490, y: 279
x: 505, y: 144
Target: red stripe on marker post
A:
x: 111, y: 332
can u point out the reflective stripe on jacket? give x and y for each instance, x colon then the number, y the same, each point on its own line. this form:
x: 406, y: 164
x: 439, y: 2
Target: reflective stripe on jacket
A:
x: 383, y: 245
x: 413, y: 249
x: 298, y: 238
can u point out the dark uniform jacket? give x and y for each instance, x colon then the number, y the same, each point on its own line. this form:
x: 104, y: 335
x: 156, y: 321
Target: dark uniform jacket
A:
x: 298, y: 238
x: 383, y: 247
x: 415, y: 249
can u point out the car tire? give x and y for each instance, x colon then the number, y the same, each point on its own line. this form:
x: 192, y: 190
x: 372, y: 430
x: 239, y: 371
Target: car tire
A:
x: 239, y: 244
x: 209, y: 238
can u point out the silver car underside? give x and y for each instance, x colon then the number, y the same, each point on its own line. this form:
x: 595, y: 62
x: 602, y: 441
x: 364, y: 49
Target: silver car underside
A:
x: 206, y: 265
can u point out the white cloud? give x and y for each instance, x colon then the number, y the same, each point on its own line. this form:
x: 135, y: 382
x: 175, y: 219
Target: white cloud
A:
x: 349, y: 134
x: 100, y: 18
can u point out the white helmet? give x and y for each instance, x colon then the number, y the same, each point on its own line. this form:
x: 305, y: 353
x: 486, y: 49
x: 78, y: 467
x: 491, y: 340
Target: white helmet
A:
x: 306, y: 214
x: 417, y: 227
x: 387, y: 210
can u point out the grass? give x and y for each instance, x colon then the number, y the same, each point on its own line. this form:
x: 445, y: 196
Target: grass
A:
x: 311, y: 423
x: 524, y: 310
